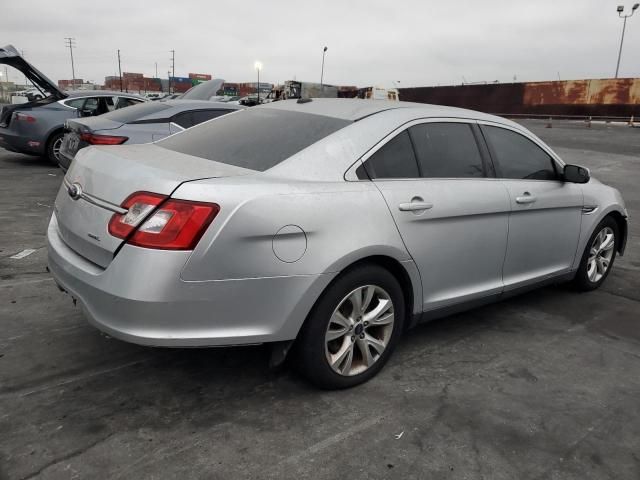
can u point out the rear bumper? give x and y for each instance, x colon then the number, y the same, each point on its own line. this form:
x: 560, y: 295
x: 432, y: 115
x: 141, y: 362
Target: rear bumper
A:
x: 16, y: 143
x: 139, y: 298
x: 64, y: 162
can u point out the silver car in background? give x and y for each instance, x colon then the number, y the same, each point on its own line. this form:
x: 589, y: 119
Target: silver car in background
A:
x: 330, y: 226
x: 144, y: 123
x: 37, y: 127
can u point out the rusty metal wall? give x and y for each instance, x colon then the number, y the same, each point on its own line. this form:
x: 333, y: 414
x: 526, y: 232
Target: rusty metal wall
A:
x: 604, y: 97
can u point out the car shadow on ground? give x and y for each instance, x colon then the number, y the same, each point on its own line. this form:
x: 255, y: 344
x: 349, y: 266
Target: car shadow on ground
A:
x: 182, y: 371
x: 20, y: 160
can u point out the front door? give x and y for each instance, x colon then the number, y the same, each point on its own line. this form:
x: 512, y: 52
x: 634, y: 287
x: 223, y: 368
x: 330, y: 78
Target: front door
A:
x: 452, y: 218
x: 544, y: 225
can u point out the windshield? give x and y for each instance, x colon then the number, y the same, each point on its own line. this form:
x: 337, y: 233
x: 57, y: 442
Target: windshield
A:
x: 257, y: 138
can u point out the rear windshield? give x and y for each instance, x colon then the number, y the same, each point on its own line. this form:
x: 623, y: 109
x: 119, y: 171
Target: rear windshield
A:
x: 135, y: 112
x: 257, y: 138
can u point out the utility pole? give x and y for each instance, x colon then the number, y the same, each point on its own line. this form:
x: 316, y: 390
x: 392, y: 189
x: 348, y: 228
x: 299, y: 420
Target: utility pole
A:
x: 324, y: 51
x: 119, y: 70
x: 70, y: 43
x: 620, y: 11
x: 156, y: 69
x: 173, y: 67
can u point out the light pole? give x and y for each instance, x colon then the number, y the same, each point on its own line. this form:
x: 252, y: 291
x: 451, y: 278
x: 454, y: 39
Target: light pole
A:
x: 624, y: 26
x: 324, y: 51
x: 258, y: 67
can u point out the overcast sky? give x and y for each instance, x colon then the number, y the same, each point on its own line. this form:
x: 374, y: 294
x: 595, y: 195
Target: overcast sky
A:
x: 369, y: 42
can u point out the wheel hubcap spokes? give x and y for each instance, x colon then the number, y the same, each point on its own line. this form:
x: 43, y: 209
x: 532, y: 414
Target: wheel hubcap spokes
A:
x: 57, y: 145
x: 600, y: 254
x: 359, y: 330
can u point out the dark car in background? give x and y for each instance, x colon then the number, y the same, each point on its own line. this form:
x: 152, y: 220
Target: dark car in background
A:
x: 143, y: 123
x: 37, y: 127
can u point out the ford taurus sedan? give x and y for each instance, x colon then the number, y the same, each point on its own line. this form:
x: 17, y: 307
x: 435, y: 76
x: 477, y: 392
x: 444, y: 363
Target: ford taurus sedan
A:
x: 330, y: 226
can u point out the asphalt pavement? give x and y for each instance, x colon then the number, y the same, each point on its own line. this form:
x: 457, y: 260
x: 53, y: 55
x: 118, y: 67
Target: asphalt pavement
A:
x: 542, y: 386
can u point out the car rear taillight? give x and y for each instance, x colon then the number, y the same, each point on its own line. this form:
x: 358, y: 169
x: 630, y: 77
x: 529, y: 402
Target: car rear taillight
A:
x: 93, y: 139
x: 23, y: 117
x: 153, y: 221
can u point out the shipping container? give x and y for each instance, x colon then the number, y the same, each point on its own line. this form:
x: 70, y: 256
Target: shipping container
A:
x: 589, y: 97
x: 200, y: 76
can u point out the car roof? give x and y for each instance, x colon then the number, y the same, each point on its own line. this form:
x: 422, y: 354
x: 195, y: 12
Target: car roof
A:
x: 354, y: 109
x: 179, y: 102
x: 94, y: 93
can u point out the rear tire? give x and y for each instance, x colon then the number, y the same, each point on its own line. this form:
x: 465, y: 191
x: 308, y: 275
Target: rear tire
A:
x: 53, y: 148
x: 352, y: 330
x: 598, y: 257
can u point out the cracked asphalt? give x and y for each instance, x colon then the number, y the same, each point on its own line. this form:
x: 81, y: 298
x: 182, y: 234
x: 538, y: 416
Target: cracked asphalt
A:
x: 542, y: 386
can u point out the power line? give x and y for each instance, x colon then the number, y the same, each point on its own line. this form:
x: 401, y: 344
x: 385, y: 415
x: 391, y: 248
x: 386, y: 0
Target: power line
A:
x: 70, y: 43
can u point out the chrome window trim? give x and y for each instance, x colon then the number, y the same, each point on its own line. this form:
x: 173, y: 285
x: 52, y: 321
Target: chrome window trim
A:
x: 536, y: 141
x: 350, y: 174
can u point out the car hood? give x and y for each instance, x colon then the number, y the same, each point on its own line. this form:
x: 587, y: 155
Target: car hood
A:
x: 9, y: 55
x: 204, y: 90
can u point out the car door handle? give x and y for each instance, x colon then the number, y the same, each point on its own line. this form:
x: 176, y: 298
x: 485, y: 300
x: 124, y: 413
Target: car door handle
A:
x: 414, y: 206
x: 526, y: 198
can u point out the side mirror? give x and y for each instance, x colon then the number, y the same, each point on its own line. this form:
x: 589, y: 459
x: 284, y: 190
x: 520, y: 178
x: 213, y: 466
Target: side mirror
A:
x: 576, y: 174
x: 86, y: 113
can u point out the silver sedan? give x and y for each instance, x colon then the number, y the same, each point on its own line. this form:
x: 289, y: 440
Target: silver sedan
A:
x: 327, y: 227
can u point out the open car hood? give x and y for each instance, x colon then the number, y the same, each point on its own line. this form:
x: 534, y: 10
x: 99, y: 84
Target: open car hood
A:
x: 204, y: 90
x: 9, y: 55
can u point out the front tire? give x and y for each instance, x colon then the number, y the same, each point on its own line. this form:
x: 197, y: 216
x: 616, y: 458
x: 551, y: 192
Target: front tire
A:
x: 353, y: 328
x: 53, y: 148
x: 598, y: 257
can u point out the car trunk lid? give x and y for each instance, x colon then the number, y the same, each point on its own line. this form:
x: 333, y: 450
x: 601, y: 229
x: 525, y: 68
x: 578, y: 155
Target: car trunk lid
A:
x: 9, y: 55
x: 101, y: 178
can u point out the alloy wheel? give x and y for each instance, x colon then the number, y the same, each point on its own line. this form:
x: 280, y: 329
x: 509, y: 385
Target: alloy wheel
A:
x: 359, y: 330
x: 57, y: 145
x: 600, y: 254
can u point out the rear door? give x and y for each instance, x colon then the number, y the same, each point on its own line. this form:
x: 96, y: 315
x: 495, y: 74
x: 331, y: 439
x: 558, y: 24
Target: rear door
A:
x: 546, y: 212
x: 450, y: 213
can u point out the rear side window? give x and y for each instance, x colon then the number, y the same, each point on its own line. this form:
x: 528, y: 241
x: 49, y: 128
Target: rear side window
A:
x: 75, y: 103
x: 257, y: 138
x: 395, y: 159
x: 447, y: 150
x: 135, y: 112
x: 200, y: 116
x: 184, y: 119
x: 518, y: 157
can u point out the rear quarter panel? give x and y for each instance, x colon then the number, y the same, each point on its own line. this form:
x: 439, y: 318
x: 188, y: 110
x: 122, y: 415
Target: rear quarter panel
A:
x: 332, y: 223
x: 49, y: 118
x: 140, y: 133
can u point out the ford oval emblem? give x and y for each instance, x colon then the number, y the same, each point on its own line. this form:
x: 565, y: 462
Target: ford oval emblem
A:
x: 75, y: 191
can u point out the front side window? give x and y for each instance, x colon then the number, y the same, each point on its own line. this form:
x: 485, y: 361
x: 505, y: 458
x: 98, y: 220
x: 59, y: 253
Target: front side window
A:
x: 447, y: 150
x: 395, y: 159
x: 518, y: 157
